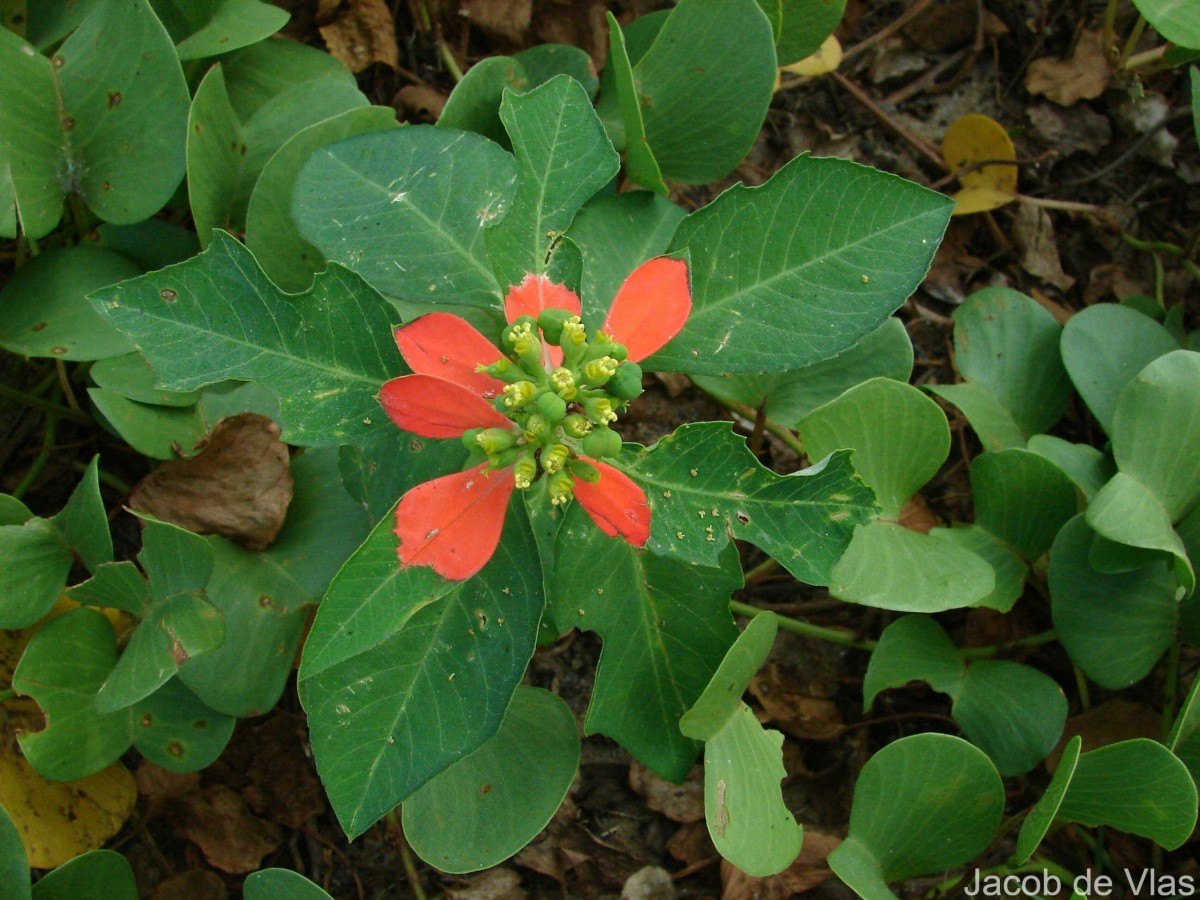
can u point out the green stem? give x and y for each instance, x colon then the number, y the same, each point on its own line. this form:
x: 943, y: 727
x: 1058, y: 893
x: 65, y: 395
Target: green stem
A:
x: 1033, y: 640
x: 106, y: 478
x: 1085, y: 699
x: 6, y: 695
x: 832, y: 635
x: 782, y: 432
x: 1134, y: 37
x: 451, y: 63
x: 762, y: 570
x: 1170, y: 689
x: 43, y: 457
x: 47, y: 406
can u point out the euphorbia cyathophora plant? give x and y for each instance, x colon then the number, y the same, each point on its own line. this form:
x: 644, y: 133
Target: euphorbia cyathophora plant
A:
x: 540, y: 409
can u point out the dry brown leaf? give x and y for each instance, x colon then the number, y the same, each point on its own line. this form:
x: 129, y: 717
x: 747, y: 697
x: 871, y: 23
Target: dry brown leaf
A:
x: 692, y: 844
x: 157, y: 784
x: 231, y: 837
x: 239, y: 486
x: 1112, y: 721
x: 194, y: 884
x: 809, y: 870
x: 579, y: 23
x: 649, y: 883
x: 1067, y: 81
x: 678, y: 802
x: 1061, y: 313
x: 1073, y: 130
x: 494, y: 884
x: 363, y: 35
x: 786, y: 704
x: 1033, y: 233
x: 420, y: 101
x: 1111, y: 281
x: 916, y: 515
x: 505, y: 19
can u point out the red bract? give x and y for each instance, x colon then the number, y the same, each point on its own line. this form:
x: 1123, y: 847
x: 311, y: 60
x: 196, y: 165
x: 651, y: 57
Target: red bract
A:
x: 453, y: 523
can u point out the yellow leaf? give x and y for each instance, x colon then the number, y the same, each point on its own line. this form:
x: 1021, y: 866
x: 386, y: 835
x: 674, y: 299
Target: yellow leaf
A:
x: 57, y: 821
x: 969, y: 141
x: 825, y: 60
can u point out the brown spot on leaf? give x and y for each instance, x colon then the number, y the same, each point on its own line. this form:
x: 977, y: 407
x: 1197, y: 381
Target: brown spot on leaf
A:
x: 68, y: 124
x: 175, y: 748
x: 39, y: 326
x: 167, y: 294
x: 59, y: 351
x: 114, y: 99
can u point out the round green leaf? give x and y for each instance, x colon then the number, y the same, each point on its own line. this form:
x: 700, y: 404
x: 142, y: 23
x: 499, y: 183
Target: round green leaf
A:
x: 1176, y: 20
x: 913, y: 648
x: 1008, y: 343
x: 29, y: 139
x: 722, y: 697
x: 131, y: 377
x: 202, y: 28
x: 1103, y: 347
x: 1137, y: 786
x: 281, y: 884
x: 640, y: 164
x: 1039, y: 819
x: 805, y: 25
x: 173, y: 729
x: 486, y: 807
x: 152, y: 244
x: 98, y: 875
x: 43, y: 311
x: 1021, y: 498
x: 1124, y: 511
x: 1008, y: 568
x: 1086, y: 466
x: 899, y: 436
x: 889, y: 567
x: 1155, y: 424
x: 37, y: 562
x: 13, y: 511
x: 152, y: 430
x: 994, y: 425
x: 474, y: 104
x: 1012, y: 712
x: 922, y: 804
x: 748, y: 821
x: 14, y: 864
x: 1114, y: 626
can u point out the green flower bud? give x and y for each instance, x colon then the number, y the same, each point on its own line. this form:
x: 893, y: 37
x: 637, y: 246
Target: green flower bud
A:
x: 554, y: 458
x: 572, y: 334
x: 551, y: 322
x: 599, y: 410
x: 536, y: 428
x: 519, y: 394
x: 576, y: 426
x: 603, y: 441
x: 524, y: 470
x: 619, y: 352
x: 562, y: 382
x: 583, y: 470
x: 524, y: 328
x: 598, y: 371
x: 562, y: 488
x: 626, y: 384
x: 468, y: 438
x: 552, y: 406
x: 495, y: 440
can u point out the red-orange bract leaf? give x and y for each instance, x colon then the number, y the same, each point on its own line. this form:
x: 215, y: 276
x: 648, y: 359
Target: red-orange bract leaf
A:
x: 453, y: 523
x: 444, y: 345
x: 435, y: 408
x: 536, y: 293
x: 651, y: 307
x: 616, y: 504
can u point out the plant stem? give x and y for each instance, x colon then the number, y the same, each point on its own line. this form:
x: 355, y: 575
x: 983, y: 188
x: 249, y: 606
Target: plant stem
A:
x: 111, y: 480
x: 1033, y: 640
x: 451, y: 63
x: 762, y: 570
x: 1131, y: 42
x: 832, y: 635
x: 782, y: 432
x: 42, y: 458
x: 1170, y: 689
x: 46, y: 406
x: 1108, y: 36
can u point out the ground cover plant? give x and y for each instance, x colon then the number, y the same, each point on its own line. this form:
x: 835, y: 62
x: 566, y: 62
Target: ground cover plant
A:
x: 396, y: 399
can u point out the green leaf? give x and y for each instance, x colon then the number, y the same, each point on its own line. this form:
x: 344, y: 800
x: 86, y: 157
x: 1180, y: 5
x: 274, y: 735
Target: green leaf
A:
x: 131, y: 377
x: 724, y: 52
x: 1154, y: 420
x: 175, y: 730
x: 862, y: 241
x: 1188, y: 719
x: 1086, y: 466
x: 563, y: 158
x: 1113, y: 626
x: 174, y: 630
x: 152, y: 244
x: 152, y: 430
x: 43, y: 311
x: 397, y: 655
x: 14, y: 864
x: 1008, y: 343
x: 993, y: 424
x: 889, y: 567
x: 1126, y: 512
x: 913, y: 648
x: 288, y: 259
x: 474, y: 104
x: 748, y: 821
x: 788, y: 397
x: 1021, y: 498
x: 105, y: 119
x: 922, y: 804
x: 378, y: 472
x: 617, y: 234
x: 97, y: 875
x: 806, y: 24
x: 1138, y: 786
x: 1009, y: 569
x: 83, y: 522
x: 666, y: 626
x: 489, y: 805
x: 227, y: 153
x: 213, y: 27
x: 281, y: 884
x: 260, y: 72
x: 13, y: 511
x: 36, y: 563
x: 1012, y: 712
x: 704, y: 487
x: 1177, y: 21
x: 640, y: 164
x: 323, y: 353
x: 175, y: 560
x: 639, y: 37
x: 1039, y: 819
x: 722, y: 696
x: 420, y: 196
x: 116, y: 585
x: 544, y: 61
x: 1103, y: 347
x: 899, y: 437
x: 62, y: 669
